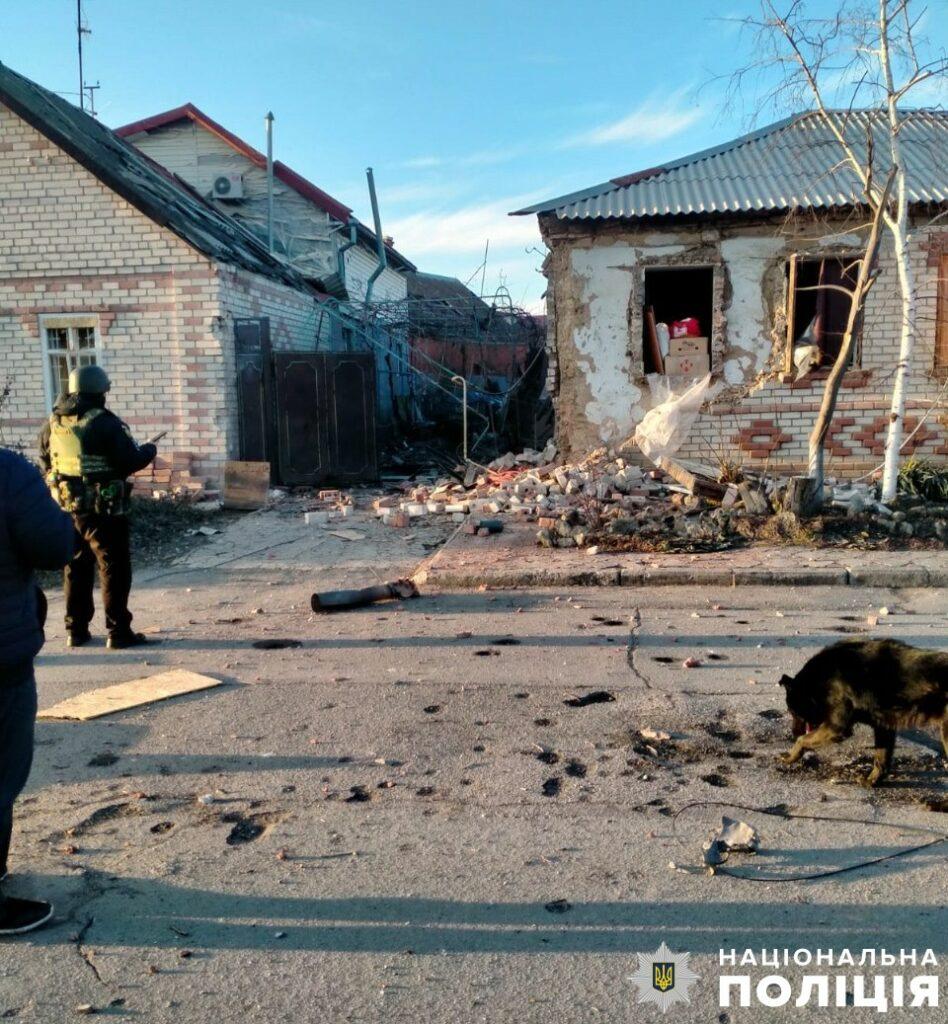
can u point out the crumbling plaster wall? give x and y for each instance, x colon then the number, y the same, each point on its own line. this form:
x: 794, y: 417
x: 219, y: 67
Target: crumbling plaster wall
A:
x: 596, y: 272
x: 597, y: 275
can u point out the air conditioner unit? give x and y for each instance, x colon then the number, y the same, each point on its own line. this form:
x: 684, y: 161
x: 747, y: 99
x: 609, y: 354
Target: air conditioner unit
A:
x: 228, y: 186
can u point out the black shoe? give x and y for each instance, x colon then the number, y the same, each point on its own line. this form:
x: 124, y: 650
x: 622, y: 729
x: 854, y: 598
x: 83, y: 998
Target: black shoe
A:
x: 20, y: 916
x: 79, y: 638
x: 119, y: 641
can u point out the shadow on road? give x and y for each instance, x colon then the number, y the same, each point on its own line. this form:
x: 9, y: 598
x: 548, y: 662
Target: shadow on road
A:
x: 148, y: 913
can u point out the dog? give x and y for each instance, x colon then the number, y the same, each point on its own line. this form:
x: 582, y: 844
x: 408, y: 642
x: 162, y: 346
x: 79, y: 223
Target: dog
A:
x: 886, y: 684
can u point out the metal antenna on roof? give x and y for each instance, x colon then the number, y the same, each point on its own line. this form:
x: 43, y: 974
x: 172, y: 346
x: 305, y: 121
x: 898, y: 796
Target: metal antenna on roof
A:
x: 84, y: 30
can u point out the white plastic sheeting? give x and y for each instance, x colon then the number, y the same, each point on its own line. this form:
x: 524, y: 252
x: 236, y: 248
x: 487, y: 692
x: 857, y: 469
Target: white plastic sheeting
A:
x: 665, y: 427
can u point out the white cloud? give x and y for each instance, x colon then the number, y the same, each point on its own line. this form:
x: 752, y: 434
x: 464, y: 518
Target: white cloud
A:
x: 654, y: 119
x: 465, y: 229
x: 479, y: 158
x: 421, y: 163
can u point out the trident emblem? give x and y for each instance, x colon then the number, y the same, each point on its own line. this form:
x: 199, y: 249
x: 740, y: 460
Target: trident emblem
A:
x: 663, y: 976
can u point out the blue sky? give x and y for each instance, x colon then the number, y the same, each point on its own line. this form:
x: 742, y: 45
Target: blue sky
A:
x: 465, y: 110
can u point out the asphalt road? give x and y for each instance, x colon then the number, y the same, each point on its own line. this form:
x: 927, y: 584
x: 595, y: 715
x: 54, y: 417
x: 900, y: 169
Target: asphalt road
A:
x: 392, y: 809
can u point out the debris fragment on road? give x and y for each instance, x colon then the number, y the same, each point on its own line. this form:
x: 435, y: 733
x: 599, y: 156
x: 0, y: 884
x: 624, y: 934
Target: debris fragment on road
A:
x: 342, y: 600
x: 733, y: 837
x: 133, y: 694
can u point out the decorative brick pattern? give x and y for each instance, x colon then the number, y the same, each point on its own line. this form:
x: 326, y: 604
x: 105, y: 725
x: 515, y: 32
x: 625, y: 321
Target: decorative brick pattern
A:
x: 761, y: 438
x: 872, y: 436
x: 834, y: 442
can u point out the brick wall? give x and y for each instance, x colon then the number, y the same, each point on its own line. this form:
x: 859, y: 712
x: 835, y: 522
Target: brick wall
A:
x: 596, y: 274
x: 771, y: 426
x: 164, y: 312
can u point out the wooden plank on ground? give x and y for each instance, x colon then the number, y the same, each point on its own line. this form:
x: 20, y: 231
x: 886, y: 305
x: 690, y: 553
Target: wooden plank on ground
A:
x: 246, y: 485
x: 109, y: 699
x: 695, y: 480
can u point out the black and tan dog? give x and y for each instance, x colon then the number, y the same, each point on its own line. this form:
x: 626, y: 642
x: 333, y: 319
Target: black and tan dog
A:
x: 882, y: 683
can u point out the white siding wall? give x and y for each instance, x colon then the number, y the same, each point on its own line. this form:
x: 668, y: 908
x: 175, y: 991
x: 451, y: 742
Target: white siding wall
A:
x: 305, y: 233
x: 360, y: 263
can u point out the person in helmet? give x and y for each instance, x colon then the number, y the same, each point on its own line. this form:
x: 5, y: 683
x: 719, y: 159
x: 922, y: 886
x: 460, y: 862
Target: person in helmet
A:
x: 88, y: 453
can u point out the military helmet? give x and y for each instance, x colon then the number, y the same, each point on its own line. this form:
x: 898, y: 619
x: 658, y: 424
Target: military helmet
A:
x: 89, y: 380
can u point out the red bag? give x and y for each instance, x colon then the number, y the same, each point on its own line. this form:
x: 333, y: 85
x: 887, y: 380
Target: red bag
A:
x: 687, y: 328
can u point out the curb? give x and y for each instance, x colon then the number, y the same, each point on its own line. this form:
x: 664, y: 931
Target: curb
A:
x: 889, y: 579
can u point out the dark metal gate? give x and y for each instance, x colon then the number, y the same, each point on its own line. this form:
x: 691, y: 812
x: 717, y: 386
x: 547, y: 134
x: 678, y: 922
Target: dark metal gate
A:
x: 311, y: 415
x: 254, y: 389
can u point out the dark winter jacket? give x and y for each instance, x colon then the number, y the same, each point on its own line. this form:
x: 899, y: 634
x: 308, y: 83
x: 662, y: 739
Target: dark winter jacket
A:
x: 34, y: 534
x: 108, y: 436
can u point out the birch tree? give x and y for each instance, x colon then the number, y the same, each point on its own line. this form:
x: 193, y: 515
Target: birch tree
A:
x: 873, y: 49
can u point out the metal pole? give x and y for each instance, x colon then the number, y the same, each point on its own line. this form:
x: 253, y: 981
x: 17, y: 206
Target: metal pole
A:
x: 269, y: 123
x: 82, y: 87
x: 484, y: 271
x: 379, y: 240
x: 463, y: 382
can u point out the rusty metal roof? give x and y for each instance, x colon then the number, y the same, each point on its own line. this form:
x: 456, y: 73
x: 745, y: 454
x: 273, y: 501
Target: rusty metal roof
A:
x: 793, y: 164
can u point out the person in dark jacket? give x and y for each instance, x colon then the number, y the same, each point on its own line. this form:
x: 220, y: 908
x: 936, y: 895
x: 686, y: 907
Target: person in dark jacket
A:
x: 88, y: 453
x: 34, y: 534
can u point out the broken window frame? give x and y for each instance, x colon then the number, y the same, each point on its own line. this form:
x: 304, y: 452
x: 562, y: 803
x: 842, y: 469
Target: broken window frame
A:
x: 664, y: 266
x: 66, y: 345
x: 792, y: 278
x: 940, y: 361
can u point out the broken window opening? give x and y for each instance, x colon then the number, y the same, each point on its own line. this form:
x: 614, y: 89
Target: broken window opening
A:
x: 819, y: 300
x: 676, y: 294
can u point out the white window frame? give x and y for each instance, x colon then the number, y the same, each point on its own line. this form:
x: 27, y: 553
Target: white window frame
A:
x: 71, y: 322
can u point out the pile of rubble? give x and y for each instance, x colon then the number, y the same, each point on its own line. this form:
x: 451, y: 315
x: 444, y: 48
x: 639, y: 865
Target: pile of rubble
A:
x: 169, y: 476
x: 610, y: 502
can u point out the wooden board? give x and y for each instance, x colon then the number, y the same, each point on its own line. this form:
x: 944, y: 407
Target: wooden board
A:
x: 697, y: 481
x: 109, y: 699
x: 651, y: 337
x: 246, y: 484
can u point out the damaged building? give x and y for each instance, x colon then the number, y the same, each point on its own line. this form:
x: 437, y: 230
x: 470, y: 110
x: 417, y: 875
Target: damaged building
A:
x: 732, y: 249
x: 107, y: 257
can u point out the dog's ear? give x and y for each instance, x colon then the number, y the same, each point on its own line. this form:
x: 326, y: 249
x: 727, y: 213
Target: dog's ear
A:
x: 786, y: 681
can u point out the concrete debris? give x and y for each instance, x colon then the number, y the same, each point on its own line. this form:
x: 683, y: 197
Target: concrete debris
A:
x: 733, y: 837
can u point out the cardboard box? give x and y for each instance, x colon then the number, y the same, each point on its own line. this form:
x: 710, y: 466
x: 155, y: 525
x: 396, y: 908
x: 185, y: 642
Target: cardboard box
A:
x: 687, y: 346
x: 687, y: 366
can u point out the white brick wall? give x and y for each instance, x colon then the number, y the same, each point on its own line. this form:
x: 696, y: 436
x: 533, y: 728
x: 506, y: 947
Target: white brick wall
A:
x: 68, y: 244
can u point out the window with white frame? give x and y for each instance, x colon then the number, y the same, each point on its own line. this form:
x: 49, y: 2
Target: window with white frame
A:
x: 68, y: 342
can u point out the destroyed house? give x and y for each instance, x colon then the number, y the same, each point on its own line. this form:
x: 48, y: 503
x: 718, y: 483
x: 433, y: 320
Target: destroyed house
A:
x: 107, y: 257
x: 726, y: 261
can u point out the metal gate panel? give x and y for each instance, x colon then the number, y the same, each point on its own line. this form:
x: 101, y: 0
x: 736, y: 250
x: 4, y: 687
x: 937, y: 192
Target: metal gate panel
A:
x: 301, y: 407
x: 254, y: 389
x: 351, y: 404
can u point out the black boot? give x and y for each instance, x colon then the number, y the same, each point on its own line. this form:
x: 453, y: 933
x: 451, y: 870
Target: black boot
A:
x: 20, y: 916
x: 127, y: 638
x: 78, y: 637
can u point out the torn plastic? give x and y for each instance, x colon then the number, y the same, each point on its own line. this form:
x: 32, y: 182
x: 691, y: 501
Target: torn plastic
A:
x: 665, y: 428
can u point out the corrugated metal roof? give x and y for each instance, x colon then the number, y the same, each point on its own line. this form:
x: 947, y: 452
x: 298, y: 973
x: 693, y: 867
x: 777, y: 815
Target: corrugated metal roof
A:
x: 796, y: 163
